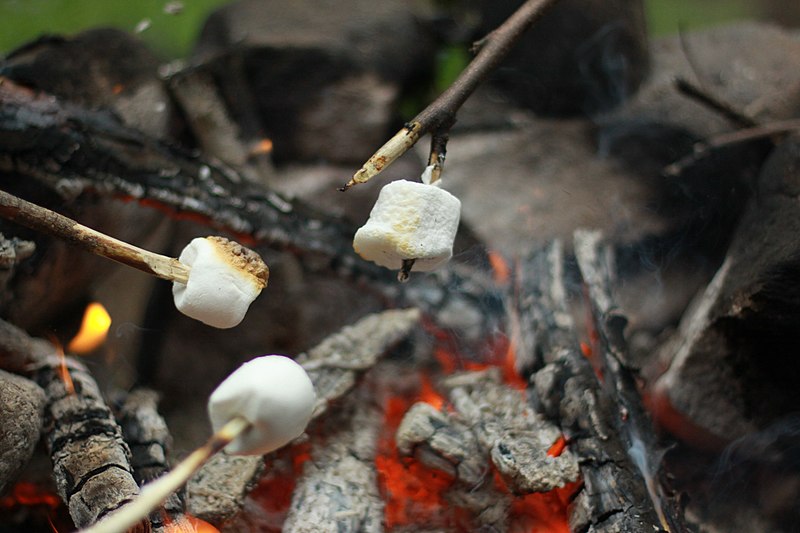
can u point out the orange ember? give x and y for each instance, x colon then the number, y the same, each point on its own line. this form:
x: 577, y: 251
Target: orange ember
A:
x: 429, y: 395
x: 501, y: 271
x: 93, y: 331
x: 412, y: 493
x: 273, y: 494
x: 558, y: 447
x: 189, y: 524
x: 264, y: 146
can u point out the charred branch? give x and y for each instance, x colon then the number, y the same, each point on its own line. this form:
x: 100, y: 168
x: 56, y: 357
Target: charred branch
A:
x: 632, y: 422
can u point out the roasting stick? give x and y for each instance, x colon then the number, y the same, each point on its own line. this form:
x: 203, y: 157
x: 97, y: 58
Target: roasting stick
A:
x: 214, y: 280
x: 265, y: 404
x: 46, y: 221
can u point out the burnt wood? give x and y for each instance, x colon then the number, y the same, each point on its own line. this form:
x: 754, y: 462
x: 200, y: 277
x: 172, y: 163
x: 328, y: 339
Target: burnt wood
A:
x: 613, y: 496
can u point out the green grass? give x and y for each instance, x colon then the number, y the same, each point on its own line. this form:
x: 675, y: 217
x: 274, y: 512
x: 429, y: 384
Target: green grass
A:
x: 169, y: 35
x: 666, y: 17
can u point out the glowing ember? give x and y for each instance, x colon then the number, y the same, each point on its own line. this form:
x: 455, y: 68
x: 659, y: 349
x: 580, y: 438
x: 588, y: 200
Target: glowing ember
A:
x: 264, y: 146
x: 412, y: 493
x: 429, y: 395
x: 93, y: 331
x: 558, y: 447
x: 273, y: 494
x: 501, y: 271
x: 190, y: 524
x: 28, y: 494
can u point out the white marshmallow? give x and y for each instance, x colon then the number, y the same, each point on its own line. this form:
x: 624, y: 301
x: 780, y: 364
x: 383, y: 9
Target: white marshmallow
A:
x: 224, y: 279
x: 410, y: 220
x: 271, y: 392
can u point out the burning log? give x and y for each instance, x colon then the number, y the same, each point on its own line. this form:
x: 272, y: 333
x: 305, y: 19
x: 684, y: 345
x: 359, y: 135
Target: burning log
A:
x: 337, y: 490
x: 91, y: 461
x: 216, y: 493
x: 148, y: 437
x: 613, y: 496
x: 21, y: 409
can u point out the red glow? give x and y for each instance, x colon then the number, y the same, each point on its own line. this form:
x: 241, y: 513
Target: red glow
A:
x: 273, y: 494
x: 666, y: 416
x: 27, y: 494
x: 429, y: 395
x: 543, y: 512
x: 411, y: 492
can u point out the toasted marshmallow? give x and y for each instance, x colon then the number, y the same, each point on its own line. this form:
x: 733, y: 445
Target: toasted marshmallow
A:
x: 271, y: 392
x: 410, y: 220
x: 224, y: 279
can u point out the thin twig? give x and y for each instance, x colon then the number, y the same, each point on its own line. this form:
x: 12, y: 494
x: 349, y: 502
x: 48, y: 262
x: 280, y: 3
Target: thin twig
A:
x: 441, y: 114
x: 705, y: 148
x: 714, y: 103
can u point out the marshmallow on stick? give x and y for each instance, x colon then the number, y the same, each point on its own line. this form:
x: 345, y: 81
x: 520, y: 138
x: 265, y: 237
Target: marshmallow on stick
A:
x: 215, y: 280
x: 265, y: 404
x: 224, y: 279
x: 412, y: 226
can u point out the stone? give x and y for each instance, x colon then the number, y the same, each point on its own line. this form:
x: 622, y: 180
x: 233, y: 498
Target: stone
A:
x: 581, y: 57
x: 21, y: 408
x: 325, y: 78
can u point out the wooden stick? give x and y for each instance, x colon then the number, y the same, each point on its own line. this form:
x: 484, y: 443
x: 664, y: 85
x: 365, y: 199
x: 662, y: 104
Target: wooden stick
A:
x: 441, y: 114
x: 46, y: 221
x: 153, y: 494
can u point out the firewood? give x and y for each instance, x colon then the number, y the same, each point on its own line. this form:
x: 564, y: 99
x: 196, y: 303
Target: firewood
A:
x: 613, y: 496
x: 91, y: 461
x: 149, y: 439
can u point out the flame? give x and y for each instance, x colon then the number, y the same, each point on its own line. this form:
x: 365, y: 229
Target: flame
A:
x: 429, y: 395
x: 93, y: 331
x: 63, y: 371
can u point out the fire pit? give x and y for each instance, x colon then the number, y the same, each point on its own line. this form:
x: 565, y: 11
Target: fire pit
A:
x: 607, y: 349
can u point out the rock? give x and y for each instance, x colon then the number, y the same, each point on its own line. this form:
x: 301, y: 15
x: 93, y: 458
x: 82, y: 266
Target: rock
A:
x: 105, y: 68
x: 21, y: 407
x: 580, y: 58
x: 325, y: 76
x: 755, y: 67
x: 731, y: 366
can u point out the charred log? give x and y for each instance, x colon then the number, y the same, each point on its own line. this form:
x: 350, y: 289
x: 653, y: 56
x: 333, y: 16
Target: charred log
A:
x: 613, y: 496
x: 21, y: 409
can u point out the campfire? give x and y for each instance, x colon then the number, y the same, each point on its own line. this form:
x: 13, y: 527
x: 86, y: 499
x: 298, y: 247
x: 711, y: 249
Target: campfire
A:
x: 573, y: 311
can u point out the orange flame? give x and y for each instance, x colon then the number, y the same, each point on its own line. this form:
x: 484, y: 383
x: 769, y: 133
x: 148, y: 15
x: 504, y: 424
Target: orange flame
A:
x: 93, y: 331
x: 63, y: 371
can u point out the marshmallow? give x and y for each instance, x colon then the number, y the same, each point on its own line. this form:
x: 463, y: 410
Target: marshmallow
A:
x: 271, y: 392
x: 224, y: 279
x: 410, y: 220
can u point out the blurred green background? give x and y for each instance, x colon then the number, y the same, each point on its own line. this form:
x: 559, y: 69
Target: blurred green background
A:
x: 172, y: 35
